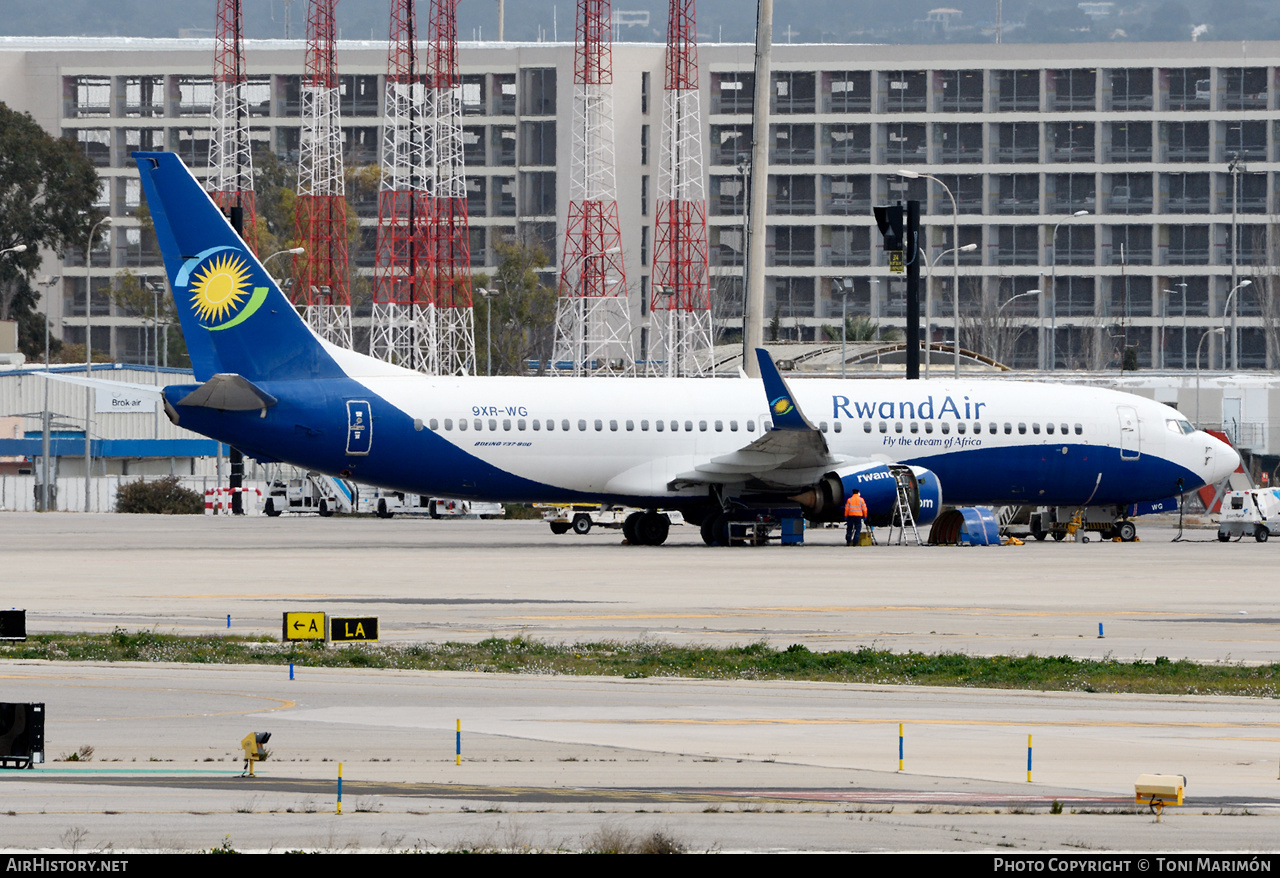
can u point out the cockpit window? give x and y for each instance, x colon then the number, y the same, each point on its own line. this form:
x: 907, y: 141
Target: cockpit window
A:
x: 1180, y: 426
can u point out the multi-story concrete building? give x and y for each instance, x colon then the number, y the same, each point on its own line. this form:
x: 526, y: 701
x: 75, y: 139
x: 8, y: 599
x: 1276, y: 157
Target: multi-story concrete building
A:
x: 1134, y: 185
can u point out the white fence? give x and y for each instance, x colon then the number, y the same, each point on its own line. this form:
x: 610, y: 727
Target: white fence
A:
x: 21, y: 493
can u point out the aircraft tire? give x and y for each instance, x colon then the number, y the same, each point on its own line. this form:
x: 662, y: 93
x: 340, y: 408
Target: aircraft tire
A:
x: 653, y: 528
x: 708, y: 529
x: 432, y: 510
x: 1260, y: 533
x: 325, y: 510
x: 1039, y: 535
x: 582, y: 524
x: 631, y: 529
x: 1127, y: 531
x: 1223, y: 536
x: 383, y: 511
x: 559, y: 528
x: 269, y: 508
x: 720, y: 529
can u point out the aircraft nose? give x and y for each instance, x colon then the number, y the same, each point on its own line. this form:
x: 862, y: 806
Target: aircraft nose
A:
x: 1221, y: 460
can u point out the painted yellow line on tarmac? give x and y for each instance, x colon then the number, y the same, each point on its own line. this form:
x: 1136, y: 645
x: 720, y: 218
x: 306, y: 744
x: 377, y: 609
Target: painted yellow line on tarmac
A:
x: 871, y: 721
x: 991, y: 611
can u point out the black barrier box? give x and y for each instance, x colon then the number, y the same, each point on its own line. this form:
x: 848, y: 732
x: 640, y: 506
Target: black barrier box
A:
x: 21, y: 735
x: 13, y: 624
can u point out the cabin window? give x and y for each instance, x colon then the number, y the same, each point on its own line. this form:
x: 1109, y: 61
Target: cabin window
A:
x: 1035, y: 428
x: 928, y: 426
x: 551, y: 425
x: 564, y: 424
x: 1008, y: 428
x: 688, y: 426
x: 766, y: 426
x: 520, y: 424
x: 1048, y: 428
x: 462, y: 425
x: 822, y: 426
x: 659, y: 425
x: 914, y: 427
x: 945, y: 427
x: 631, y: 426
x: 991, y: 428
x: 884, y: 427
x: 897, y: 426
x: 1079, y: 429
x: 751, y: 426
x: 433, y: 424
x: 506, y: 424
x: 613, y: 426
x: 1064, y: 430
x: 448, y: 423
x: 960, y: 427
x: 733, y: 426
x: 478, y: 424
x: 719, y: 426
x: 493, y: 425
x: 599, y: 425
x: 702, y: 426
x: 866, y: 426
x: 582, y: 425
x: 1022, y: 429
x: 644, y: 425
x: 977, y: 427
x: 537, y: 425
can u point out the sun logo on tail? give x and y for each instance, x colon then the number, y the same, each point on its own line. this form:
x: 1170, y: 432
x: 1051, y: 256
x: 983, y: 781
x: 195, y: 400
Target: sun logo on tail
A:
x: 781, y: 406
x: 219, y: 288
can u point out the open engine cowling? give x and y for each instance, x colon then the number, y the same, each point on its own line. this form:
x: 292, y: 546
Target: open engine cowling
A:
x: 878, y: 484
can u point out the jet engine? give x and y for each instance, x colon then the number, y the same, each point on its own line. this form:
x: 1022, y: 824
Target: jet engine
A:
x: 880, y: 485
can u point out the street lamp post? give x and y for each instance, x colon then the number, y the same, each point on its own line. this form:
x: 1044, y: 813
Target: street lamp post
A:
x: 47, y: 283
x: 1009, y: 301
x: 488, y: 295
x: 928, y: 300
x: 292, y: 251
x: 955, y: 250
x: 1053, y: 292
x: 1217, y: 330
x: 1234, y: 168
x: 88, y: 354
x: 1164, y: 315
x: 1235, y: 337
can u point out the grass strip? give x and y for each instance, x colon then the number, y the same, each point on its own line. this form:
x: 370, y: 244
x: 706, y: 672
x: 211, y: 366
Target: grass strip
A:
x: 755, y: 661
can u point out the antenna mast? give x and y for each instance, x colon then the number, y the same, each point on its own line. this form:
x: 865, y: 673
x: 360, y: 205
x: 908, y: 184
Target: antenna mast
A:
x: 322, y: 283
x: 230, y: 157
x: 593, y: 322
x: 680, y: 300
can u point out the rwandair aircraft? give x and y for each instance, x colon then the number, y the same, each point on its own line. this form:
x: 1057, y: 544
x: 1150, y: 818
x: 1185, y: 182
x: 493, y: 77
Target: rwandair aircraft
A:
x: 714, y: 448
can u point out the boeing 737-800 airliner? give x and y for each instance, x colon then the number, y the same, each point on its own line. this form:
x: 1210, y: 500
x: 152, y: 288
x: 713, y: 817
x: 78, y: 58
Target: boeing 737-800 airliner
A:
x: 713, y: 448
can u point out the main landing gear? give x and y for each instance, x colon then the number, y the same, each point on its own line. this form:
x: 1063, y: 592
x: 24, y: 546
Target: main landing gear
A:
x: 646, y: 528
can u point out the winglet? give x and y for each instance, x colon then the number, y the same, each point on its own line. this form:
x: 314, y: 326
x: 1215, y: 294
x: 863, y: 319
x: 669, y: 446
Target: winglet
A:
x: 782, y: 406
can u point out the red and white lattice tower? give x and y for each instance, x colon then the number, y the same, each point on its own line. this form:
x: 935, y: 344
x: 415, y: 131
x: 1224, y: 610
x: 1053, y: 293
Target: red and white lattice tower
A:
x: 593, y: 321
x: 681, y: 301
x: 230, y: 158
x: 403, y: 324
x: 322, y: 283
x: 448, y: 230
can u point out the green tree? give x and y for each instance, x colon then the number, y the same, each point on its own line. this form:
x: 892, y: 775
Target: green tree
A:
x: 522, y: 314
x: 47, y: 191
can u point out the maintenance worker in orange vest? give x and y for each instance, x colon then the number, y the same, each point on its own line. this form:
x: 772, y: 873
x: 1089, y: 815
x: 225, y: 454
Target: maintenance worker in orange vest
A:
x: 855, y: 509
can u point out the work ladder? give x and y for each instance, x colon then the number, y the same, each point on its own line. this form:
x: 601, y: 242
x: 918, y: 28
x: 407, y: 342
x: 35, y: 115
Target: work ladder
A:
x: 902, y: 515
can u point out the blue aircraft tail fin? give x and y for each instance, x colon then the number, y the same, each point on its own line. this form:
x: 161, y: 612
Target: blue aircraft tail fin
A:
x: 234, y: 317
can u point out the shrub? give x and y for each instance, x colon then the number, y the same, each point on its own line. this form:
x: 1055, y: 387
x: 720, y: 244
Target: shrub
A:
x: 160, y: 497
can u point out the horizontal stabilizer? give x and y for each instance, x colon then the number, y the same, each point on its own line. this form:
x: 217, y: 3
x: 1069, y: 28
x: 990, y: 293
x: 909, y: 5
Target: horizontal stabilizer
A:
x: 147, y: 391
x: 229, y: 393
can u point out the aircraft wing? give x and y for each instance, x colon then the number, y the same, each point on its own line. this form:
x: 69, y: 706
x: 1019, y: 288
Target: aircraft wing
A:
x: 793, y: 452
